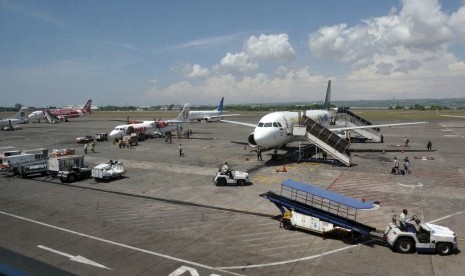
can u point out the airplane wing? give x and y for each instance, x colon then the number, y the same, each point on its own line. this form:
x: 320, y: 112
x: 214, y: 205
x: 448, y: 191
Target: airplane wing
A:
x: 375, y: 126
x: 240, y: 123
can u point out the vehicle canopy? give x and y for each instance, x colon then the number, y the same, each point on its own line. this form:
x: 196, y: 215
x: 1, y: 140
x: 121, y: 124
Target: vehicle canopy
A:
x: 325, y: 194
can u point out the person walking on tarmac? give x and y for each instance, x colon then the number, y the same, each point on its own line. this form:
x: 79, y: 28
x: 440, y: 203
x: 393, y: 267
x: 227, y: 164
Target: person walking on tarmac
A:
x: 259, y: 154
x: 85, y: 148
x: 395, y: 169
x: 429, y: 146
x: 406, y: 165
x: 180, y: 150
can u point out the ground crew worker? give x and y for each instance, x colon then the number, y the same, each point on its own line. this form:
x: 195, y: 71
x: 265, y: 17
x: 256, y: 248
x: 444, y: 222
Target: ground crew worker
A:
x: 180, y: 150
x: 405, y: 225
x: 92, y: 145
x: 259, y: 154
x: 429, y: 145
x: 395, y: 169
x: 226, y: 170
x: 85, y: 148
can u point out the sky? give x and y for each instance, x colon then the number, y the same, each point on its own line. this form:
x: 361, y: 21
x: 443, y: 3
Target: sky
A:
x: 149, y: 53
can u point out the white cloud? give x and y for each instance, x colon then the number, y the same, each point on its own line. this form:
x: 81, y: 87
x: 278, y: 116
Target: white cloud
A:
x: 238, y: 62
x: 419, y: 26
x: 261, y: 49
x: 457, y: 23
x: 198, y: 72
x: 269, y: 47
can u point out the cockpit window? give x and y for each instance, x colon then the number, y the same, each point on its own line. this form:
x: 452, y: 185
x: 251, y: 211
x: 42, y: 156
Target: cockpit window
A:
x: 275, y: 124
x: 268, y: 124
x: 279, y: 124
x: 260, y: 124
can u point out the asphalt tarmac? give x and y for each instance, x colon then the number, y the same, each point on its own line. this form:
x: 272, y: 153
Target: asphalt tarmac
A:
x: 167, y: 218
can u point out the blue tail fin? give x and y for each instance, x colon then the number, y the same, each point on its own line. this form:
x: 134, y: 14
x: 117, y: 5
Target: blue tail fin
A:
x: 220, y: 106
x: 327, y: 103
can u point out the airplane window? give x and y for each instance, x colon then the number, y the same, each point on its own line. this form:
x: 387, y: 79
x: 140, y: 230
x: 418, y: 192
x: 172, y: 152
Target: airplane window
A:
x: 275, y: 124
x: 279, y: 124
x: 260, y: 124
x: 268, y: 124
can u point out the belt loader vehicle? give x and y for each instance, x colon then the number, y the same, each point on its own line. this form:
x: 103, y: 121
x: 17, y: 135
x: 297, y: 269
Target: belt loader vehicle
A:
x: 311, y: 208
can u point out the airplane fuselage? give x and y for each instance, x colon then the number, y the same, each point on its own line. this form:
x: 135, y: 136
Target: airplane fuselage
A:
x: 207, y: 116
x: 275, y: 129
x: 59, y: 113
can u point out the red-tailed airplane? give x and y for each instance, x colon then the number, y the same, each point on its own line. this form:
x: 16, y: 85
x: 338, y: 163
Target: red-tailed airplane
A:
x: 60, y: 114
x: 152, y: 127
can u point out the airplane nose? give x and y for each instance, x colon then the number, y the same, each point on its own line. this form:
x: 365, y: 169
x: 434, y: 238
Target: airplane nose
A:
x: 258, y: 136
x: 115, y: 134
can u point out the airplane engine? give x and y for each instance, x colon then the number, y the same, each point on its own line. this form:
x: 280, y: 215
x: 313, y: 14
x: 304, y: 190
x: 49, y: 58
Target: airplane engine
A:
x: 251, y: 140
x: 212, y: 119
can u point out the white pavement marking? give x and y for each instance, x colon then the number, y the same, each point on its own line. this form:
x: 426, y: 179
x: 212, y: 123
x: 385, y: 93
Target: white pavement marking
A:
x: 77, y: 258
x: 318, y: 255
x: 411, y: 186
x: 446, y: 217
x: 120, y: 244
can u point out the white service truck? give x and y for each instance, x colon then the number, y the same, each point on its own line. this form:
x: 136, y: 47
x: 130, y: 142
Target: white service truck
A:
x: 108, y: 171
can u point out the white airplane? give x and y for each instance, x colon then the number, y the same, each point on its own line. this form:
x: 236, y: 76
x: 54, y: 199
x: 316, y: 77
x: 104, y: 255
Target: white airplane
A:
x: 18, y: 118
x: 275, y: 129
x: 153, y: 127
x: 209, y: 115
x: 61, y: 114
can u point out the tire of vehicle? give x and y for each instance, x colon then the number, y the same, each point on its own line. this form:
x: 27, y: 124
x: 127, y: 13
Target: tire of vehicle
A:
x: 349, y: 238
x: 72, y: 178
x: 404, y: 245
x: 241, y: 182
x: 63, y: 180
x: 444, y: 249
x: 221, y: 181
x: 287, y: 224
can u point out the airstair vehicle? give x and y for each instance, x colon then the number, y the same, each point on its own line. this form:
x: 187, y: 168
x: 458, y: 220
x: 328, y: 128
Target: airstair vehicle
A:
x: 350, y: 119
x: 323, y: 138
x: 318, y: 210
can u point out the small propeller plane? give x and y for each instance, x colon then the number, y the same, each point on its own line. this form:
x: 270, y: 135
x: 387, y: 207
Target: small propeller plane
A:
x: 151, y: 128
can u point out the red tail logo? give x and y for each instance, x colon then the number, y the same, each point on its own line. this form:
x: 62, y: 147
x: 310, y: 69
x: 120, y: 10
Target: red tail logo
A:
x: 88, y: 106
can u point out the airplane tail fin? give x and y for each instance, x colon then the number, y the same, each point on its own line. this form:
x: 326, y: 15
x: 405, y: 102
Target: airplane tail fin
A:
x: 184, y: 115
x: 220, y: 106
x: 88, y: 106
x: 327, y: 103
x: 21, y: 115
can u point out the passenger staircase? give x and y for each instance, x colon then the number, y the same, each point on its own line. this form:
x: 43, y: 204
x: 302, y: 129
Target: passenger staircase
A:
x: 49, y: 117
x: 350, y: 119
x: 325, y: 139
